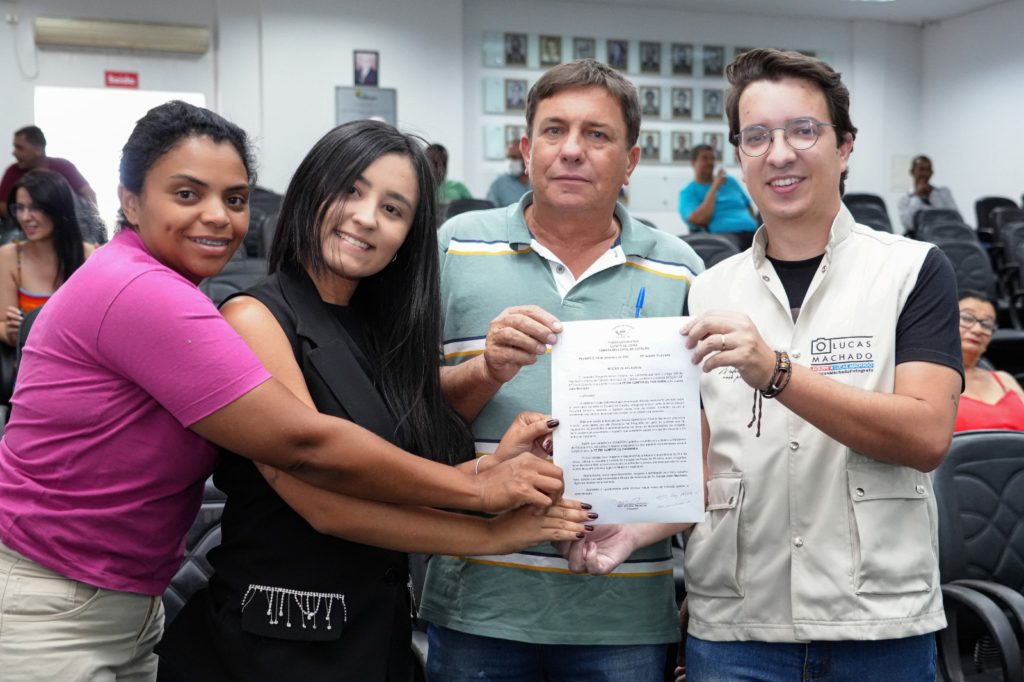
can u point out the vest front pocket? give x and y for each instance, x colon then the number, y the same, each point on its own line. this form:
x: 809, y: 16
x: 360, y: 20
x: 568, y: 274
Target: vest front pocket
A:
x: 892, y: 538
x: 712, y: 554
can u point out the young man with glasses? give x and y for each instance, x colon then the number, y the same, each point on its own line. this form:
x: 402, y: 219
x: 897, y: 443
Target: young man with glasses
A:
x: 819, y: 553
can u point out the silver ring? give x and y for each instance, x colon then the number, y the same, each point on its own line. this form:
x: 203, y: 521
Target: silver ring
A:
x: 723, y: 341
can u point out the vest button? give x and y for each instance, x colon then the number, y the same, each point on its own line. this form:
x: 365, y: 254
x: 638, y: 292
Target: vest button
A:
x: 798, y: 541
x: 919, y: 489
x: 794, y: 446
x: 859, y: 492
x: 766, y: 278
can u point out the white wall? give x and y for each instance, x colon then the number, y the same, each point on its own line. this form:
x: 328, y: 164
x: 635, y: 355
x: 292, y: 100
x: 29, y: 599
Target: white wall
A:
x: 273, y: 70
x: 880, y: 62
x: 972, y: 104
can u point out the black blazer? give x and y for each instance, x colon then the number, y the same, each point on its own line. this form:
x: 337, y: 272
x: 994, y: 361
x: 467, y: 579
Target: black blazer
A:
x: 285, y: 601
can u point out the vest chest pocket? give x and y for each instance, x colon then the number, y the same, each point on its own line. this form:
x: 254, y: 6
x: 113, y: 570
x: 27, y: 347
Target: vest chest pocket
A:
x: 712, y: 570
x: 892, y: 531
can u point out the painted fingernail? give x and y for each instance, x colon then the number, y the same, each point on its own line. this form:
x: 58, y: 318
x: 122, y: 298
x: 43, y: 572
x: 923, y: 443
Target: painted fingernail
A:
x: 552, y: 423
x: 588, y: 528
x: 581, y: 535
x: 591, y: 515
x: 546, y: 445
x: 584, y: 505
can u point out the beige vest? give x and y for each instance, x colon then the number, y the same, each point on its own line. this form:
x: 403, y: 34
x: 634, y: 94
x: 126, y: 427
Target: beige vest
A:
x: 805, y: 539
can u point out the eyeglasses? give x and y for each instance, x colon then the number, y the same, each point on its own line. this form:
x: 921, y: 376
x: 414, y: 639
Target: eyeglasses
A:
x: 968, y: 320
x: 15, y: 209
x: 800, y: 134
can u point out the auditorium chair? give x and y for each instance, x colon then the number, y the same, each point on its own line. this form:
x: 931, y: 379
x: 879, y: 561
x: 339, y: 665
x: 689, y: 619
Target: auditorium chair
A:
x: 936, y: 215
x: 983, y: 208
x: 267, y: 233
x: 852, y: 199
x: 979, y: 494
x: 865, y: 212
x: 465, y: 205
x: 239, y: 273
x: 253, y: 242
x: 195, y: 570
x: 954, y: 231
x: 712, y: 248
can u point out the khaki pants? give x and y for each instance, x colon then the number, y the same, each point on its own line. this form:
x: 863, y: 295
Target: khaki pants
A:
x: 55, y: 629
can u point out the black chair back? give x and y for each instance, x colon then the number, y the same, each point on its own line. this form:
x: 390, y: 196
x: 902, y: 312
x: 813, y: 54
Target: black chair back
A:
x: 1000, y: 216
x: 864, y: 213
x: 253, y: 242
x: 972, y: 266
x: 267, y: 233
x: 983, y: 207
x: 712, y: 248
x: 945, y: 231
x: 936, y: 215
x: 465, y: 205
x: 237, y: 275
x: 195, y: 570
x: 852, y: 199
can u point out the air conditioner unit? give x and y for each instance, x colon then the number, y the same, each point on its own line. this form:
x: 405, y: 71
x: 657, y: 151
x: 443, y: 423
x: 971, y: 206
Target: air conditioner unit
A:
x: 62, y: 32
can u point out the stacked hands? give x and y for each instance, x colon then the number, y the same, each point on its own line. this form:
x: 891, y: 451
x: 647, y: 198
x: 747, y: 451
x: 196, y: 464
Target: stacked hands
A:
x: 521, y: 334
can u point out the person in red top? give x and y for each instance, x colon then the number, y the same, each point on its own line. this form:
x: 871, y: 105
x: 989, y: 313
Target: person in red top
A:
x: 991, y: 399
x: 30, y: 153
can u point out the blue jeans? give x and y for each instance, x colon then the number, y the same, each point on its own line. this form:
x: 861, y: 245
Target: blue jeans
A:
x: 454, y: 656
x: 911, y: 659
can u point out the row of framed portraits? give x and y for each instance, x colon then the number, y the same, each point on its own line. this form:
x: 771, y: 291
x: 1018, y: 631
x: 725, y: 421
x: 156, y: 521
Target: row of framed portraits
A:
x: 527, y: 50
x: 656, y: 146
x: 508, y: 95
x: 675, y: 146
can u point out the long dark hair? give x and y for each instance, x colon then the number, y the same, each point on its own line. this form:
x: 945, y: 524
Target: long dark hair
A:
x: 52, y: 193
x: 399, y: 306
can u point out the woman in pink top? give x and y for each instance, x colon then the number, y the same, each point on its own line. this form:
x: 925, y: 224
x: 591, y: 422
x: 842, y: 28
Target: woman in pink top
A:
x: 130, y: 382
x: 991, y: 400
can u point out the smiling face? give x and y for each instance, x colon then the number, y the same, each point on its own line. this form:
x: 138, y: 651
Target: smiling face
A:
x: 36, y: 225
x: 363, y: 231
x: 577, y: 154
x: 193, y: 210
x: 792, y: 188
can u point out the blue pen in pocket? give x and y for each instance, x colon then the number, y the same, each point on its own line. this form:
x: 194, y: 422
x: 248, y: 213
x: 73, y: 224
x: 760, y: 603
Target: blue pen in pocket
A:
x: 640, y: 301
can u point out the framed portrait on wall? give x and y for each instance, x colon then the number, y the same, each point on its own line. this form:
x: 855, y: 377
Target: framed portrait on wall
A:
x: 584, y: 48
x: 550, y: 50
x: 712, y: 104
x: 717, y: 142
x: 682, y: 59
x: 682, y: 103
x: 650, y: 145
x: 650, y: 57
x: 714, y: 60
x: 650, y: 101
x: 515, y: 49
x: 618, y: 54
x: 515, y: 94
x: 682, y: 143
x: 365, y: 66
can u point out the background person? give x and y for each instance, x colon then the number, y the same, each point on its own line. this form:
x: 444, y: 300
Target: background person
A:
x: 30, y: 154
x: 354, y: 277
x: 991, y: 399
x: 448, y: 190
x: 123, y: 399
x: 510, y: 186
x: 924, y: 194
x: 566, y: 249
x: 715, y: 201
x: 31, y: 270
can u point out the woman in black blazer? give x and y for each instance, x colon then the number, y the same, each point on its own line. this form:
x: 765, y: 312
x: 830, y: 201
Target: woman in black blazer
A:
x: 312, y: 585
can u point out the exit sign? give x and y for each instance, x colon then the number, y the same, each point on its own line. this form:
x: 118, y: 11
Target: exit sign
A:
x: 121, y: 79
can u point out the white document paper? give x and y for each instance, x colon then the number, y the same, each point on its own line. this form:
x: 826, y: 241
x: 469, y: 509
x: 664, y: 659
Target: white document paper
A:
x: 628, y: 400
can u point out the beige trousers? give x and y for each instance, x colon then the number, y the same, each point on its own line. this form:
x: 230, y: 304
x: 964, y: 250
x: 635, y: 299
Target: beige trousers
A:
x: 55, y: 629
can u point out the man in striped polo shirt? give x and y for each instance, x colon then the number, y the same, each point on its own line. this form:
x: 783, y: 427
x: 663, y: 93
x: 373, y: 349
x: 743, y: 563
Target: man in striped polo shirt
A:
x: 566, y: 251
